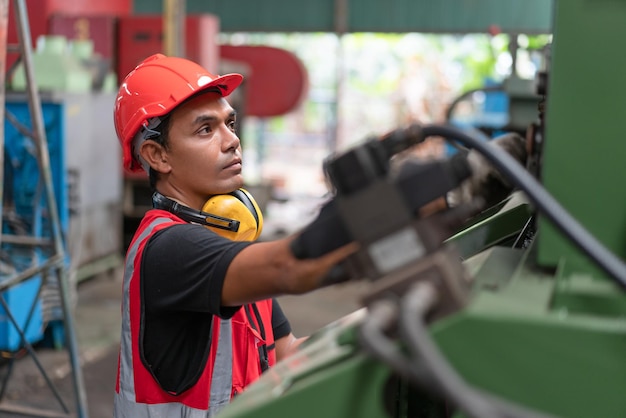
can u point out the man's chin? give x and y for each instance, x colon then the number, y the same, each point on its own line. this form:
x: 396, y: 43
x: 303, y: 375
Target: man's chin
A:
x: 230, y: 186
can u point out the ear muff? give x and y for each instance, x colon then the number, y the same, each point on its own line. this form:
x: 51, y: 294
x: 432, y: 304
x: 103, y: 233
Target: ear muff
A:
x: 239, y: 205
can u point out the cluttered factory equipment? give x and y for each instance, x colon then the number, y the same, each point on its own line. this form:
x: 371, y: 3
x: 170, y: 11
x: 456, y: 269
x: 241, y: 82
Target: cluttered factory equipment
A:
x: 512, y: 309
x: 494, y: 275
x: 56, y: 197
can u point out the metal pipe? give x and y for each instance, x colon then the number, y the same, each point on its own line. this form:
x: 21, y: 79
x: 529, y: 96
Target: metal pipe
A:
x: 25, y: 240
x: 31, y: 350
x: 29, y: 272
x: 4, y: 24
x: 34, y: 104
x: 174, y: 28
x: 341, y: 27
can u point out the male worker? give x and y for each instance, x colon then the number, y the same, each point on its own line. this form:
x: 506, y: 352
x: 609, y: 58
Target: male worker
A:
x: 199, y: 320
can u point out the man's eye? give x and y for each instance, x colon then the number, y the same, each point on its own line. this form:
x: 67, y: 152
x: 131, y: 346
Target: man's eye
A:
x: 232, y: 126
x: 204, y: 130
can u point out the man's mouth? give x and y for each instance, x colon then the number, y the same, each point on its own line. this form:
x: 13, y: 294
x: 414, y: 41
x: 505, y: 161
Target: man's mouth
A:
x: 234, y: 163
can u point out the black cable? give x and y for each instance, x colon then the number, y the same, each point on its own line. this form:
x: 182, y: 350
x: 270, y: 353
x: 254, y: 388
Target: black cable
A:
x: 416, y: 303
x: 468, y: 93
x: 427, y: 368
x: 383, y: 315
x: 544, y: 202
x: 414, y: 306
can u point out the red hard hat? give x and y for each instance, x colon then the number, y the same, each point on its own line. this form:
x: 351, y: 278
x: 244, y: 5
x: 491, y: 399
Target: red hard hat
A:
x: 154, y: 88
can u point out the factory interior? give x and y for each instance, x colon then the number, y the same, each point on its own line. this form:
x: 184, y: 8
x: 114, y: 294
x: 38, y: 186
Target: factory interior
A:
x: 462, y: 144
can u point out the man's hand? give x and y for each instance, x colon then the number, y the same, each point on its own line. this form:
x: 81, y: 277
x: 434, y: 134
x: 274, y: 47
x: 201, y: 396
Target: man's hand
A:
x: 287, y: 345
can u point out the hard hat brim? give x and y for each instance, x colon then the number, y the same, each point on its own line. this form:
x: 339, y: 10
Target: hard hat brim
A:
x: 226, y: 84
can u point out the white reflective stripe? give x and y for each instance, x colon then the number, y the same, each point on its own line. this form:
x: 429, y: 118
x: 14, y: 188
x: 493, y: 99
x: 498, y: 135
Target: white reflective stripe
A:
x: 222, y: 379
x: 126, y: 408
x: 125, y: 405
x: 127, y: 381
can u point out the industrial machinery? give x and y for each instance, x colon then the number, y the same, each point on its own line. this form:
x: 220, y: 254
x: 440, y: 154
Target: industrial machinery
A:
x: 517, y: 311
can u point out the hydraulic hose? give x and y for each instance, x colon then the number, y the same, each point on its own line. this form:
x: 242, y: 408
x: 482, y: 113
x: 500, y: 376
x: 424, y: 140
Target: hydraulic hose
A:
x: 543, y: 201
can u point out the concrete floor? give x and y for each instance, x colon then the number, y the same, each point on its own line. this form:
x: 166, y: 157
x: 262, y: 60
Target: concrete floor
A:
x: 97, y: 319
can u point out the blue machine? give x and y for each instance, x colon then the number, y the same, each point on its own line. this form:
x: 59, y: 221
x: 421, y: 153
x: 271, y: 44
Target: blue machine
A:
x: 491, y: 115
x: 25, y: 214
x: 510, y: 106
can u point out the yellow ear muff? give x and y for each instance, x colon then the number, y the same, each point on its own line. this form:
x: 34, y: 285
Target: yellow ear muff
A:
x: 241, y: 206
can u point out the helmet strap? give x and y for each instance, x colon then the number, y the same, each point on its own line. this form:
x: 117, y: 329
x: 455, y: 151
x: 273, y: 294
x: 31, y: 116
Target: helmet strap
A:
x: 146, y: 131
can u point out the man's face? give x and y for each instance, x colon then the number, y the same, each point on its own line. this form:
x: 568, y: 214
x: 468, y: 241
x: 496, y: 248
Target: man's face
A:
x: 204, y: 153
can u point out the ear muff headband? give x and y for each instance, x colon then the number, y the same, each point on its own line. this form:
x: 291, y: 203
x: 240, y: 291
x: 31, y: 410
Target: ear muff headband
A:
x: 249, y: 202
x: 235, y: 216
x: 191, y: 215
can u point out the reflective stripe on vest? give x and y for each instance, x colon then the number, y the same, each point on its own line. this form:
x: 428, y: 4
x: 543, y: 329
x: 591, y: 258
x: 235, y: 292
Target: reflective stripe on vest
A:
x: 222, y: 378
x: 125, y: 404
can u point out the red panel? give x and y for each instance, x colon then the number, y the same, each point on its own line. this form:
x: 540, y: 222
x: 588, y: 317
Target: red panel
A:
x: 90, y: 7
x: 201, y: 40
x: 141, y: 36
x: 277, y: 81
x: 137, y: 38
x: 101, y: 29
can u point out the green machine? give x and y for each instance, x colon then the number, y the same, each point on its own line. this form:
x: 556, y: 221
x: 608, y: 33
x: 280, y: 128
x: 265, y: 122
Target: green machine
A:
x: 520, y: 312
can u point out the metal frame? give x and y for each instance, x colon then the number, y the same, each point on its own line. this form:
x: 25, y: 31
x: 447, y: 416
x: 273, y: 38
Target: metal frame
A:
x: 56, y: 263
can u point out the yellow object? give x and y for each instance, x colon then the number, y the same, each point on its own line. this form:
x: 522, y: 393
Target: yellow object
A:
x: 241, y: 206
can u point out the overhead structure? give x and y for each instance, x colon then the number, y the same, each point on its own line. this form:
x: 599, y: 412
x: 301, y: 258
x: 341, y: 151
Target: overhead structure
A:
x: 426, y: 16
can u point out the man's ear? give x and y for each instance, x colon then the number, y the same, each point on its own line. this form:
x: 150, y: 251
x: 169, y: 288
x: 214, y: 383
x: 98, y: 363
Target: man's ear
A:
x: 155, y: 155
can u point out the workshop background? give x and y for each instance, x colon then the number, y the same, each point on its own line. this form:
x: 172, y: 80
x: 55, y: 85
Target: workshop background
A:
x: 543, y: 325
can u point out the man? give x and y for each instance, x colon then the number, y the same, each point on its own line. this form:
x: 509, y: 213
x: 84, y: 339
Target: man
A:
x: 199, y: 322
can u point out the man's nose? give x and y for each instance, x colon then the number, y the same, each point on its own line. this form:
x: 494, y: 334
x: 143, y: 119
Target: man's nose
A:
x: 230, y: 139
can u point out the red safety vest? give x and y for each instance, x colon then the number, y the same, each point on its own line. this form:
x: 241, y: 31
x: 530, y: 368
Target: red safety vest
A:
x: 238, y: 354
